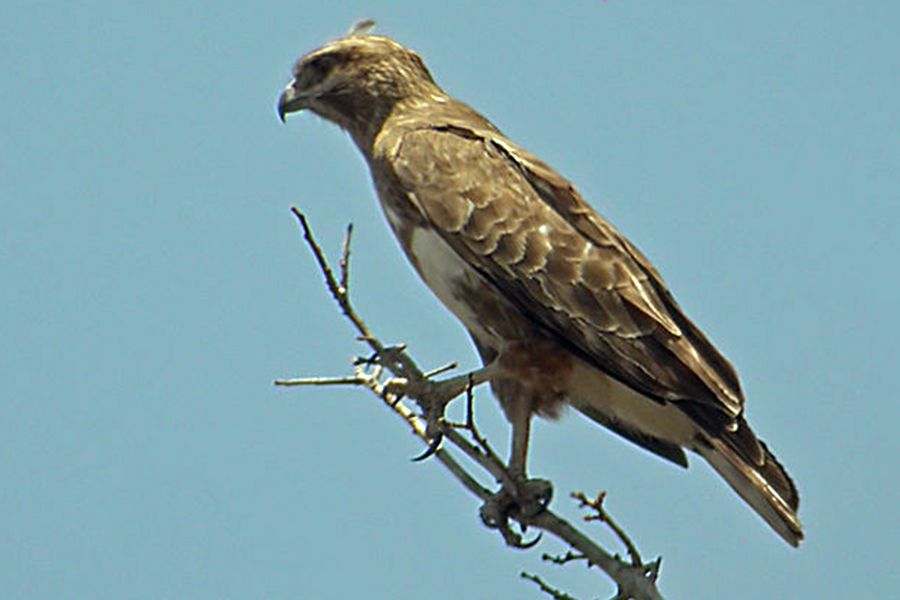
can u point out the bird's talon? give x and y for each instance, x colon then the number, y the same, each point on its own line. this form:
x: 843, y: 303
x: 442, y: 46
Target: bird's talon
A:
x: 526, y: 545
x: 433, y: 447
x: 514, y: 540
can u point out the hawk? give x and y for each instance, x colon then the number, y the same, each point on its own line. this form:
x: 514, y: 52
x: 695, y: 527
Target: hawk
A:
x: 562, y: 308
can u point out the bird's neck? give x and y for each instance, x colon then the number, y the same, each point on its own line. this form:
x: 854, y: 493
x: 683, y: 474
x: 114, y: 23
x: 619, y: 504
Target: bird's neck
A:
x: 394, y: 118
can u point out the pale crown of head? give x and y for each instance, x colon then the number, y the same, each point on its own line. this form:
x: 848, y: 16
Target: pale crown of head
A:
x: 356, y: 78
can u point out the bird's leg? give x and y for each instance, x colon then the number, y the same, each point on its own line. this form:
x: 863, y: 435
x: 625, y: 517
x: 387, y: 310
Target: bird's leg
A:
x: 521, y: 432
x: 531, y: 495
x: 521, y: 498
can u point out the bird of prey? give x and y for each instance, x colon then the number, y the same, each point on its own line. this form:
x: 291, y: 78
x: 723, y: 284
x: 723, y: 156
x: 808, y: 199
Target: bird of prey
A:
x: 562, y: 308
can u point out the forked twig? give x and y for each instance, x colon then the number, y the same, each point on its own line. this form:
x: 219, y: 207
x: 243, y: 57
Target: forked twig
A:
x: 600, y: 514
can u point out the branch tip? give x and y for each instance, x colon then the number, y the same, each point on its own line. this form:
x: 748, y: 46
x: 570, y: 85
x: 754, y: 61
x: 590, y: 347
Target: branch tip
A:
x: 545, y: 587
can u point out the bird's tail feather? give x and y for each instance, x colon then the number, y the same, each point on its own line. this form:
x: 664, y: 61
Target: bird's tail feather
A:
x: 764, y: 484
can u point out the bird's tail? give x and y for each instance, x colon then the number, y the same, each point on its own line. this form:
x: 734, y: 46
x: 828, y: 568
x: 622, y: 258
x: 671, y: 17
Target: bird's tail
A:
x: 756, y: 475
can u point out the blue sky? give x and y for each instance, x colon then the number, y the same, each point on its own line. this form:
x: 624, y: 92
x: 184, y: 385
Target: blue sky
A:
x: 154, y: 284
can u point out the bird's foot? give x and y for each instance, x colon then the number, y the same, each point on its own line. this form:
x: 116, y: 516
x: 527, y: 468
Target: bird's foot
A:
x: 433, y: 397
x: 527, y: 499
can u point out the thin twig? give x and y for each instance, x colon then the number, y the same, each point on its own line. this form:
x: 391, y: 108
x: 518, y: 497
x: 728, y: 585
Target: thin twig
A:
x: 547, y: 589
x: 440, y: 370
x: 563, y: 559
x: 314, y: 381
x: 345, y: 260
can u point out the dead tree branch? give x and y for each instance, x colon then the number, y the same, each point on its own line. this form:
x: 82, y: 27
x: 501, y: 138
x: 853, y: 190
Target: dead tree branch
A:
x: 391, y: 371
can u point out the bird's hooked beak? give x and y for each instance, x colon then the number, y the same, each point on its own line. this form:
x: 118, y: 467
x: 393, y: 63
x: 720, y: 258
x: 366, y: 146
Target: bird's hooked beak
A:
x: 290, y: 101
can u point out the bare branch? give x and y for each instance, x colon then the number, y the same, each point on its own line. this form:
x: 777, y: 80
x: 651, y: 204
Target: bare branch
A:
x: 634, y: 580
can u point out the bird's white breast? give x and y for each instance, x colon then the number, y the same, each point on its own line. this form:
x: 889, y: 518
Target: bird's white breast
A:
x: 442, y: 269
x: 446, y: 274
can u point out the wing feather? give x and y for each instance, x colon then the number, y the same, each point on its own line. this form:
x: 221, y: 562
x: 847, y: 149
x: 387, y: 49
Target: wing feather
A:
x: 529, y: 233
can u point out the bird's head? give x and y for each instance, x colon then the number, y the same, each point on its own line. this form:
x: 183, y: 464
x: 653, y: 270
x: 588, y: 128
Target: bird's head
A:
x: 356, y: 80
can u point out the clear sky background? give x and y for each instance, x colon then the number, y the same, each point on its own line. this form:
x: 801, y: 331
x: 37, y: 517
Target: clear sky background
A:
x: 153, y: 283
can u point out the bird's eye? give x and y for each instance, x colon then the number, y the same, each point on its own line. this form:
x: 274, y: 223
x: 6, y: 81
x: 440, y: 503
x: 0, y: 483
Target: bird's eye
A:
x: 319, y: 66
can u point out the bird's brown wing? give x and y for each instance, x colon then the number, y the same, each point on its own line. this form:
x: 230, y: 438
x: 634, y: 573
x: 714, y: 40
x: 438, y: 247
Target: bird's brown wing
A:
x: 528, y: 232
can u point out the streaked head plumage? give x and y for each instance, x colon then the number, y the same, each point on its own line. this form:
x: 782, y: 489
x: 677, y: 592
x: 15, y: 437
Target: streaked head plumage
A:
x: 354, y: 77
